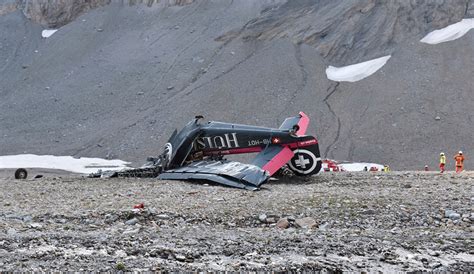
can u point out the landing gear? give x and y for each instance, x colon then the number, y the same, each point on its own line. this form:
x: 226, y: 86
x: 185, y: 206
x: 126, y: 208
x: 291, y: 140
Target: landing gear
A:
x: 21, y: 174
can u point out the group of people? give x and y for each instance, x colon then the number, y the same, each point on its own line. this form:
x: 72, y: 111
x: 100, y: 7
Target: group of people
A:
x: 459, y: 159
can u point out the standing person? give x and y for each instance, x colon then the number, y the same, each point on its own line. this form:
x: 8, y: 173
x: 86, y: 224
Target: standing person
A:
x: 459, y: 158
x: 442, y: 162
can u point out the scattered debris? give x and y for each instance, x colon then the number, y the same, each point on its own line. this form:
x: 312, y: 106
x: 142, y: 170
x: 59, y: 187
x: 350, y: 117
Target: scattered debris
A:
x: 139, y: 206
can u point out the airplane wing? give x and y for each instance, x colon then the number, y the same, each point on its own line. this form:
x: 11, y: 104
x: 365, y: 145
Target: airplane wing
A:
x: 302, y: 121
x: 273, y: 158
x: 223, y: 172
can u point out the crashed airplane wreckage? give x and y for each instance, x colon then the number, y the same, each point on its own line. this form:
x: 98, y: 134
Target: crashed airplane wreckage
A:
x: 197, y: 151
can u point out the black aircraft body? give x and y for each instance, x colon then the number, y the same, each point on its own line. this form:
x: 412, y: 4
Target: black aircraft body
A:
x: 197, y: 153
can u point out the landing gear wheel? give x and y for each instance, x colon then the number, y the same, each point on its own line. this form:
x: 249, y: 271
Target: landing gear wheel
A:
x: 304, y: 163
x: 21, y: 174
x: 166, y: 155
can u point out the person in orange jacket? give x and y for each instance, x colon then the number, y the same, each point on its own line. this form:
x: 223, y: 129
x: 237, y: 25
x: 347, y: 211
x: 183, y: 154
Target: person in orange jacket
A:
x: 459, y: 158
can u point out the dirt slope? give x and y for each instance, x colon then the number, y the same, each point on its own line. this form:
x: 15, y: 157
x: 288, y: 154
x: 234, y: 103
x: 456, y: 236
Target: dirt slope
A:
x: 118, y: 79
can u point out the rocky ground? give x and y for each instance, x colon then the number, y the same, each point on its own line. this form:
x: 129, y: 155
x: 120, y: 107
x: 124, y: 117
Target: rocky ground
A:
x: 402, y: 221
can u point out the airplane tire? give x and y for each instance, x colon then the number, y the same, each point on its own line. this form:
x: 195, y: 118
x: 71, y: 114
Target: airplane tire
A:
x: 304, y: 163
x: 21, y: 174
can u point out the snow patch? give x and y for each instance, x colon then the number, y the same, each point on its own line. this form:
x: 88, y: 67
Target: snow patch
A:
x: 351, y: 167
x: 48, y: 32
x: 449, y: 33
x: 356, y: 72
x: 68, y: 163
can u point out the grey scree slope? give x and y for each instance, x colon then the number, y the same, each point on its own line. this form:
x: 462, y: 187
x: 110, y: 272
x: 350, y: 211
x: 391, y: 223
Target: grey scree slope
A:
x: 116, y: 81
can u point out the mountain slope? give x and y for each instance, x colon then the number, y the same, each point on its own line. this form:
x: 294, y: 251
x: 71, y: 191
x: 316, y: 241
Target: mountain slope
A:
x: 117, y: 80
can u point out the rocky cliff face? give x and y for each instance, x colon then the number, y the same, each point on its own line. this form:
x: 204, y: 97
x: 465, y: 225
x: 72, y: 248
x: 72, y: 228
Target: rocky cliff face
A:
x: 345, y: 32
x: 7, y: 7
x: 56, y: 13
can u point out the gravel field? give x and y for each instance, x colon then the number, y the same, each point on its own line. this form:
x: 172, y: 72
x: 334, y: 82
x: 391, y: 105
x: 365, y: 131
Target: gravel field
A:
x: 402, y: 221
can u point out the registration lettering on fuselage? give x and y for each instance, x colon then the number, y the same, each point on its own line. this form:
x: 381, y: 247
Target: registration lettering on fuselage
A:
x: 252, y: 143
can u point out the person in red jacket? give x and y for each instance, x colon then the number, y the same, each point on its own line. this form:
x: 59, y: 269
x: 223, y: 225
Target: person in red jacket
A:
x: 459, y: 158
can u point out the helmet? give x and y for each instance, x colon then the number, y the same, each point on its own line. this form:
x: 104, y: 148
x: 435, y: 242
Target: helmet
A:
x: 460, y: 152
x: 441, y: 154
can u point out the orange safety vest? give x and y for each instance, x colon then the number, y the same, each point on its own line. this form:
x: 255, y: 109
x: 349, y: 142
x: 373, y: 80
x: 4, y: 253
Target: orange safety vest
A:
x: 459, y: 159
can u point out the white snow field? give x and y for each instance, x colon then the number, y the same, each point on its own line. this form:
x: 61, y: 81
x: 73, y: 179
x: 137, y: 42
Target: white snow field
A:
x: 48, y: 32
x: 359, y: 166
x: 68, y: 163
x: 356, y: 72
x: 449, y: 33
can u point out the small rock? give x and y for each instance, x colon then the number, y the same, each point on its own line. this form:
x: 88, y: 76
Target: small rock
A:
x: 47, y: 88
x: 271, y: 220
x: 448, y: 212
x: 170, y: 88
x: 24, y: 66
x: 262, y: 217
x: 368, y: 212
x: 437, y: 118
x: 120, y: 253
x: 324, y: 226
x: 180, y: 257
x: 454, y: 216
x: 140, y: 93
x: 283, y: 223
x: 306, y: 222
x: 109, y: 218
x: 163, y: 216
x: 100, y: 30
x: 131, y: 231
x: 27, y: 219
x: 407, y: 186
x: 11, y: 231
x: 36, y: 225
x: 133, y: 221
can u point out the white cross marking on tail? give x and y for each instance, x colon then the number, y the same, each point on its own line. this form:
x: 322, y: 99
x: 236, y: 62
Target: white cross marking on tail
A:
x: 301, y: 162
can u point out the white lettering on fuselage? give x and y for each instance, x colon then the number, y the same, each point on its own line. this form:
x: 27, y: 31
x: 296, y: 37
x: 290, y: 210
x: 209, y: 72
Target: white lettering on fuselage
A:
x: 229, y: 140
